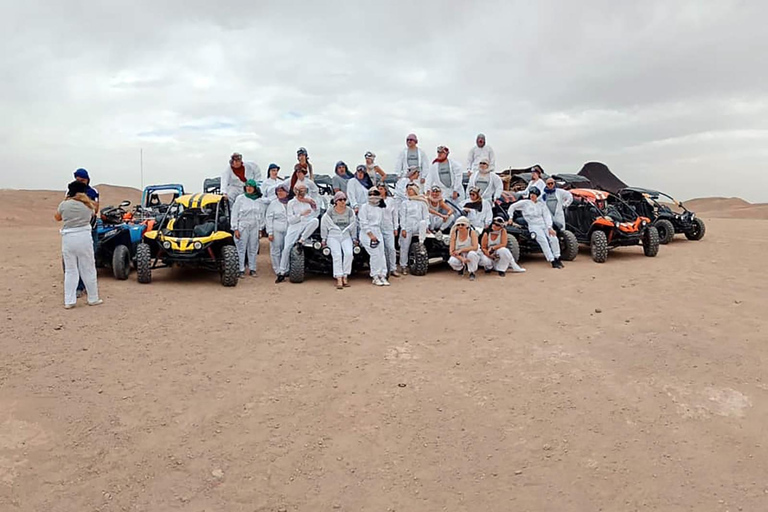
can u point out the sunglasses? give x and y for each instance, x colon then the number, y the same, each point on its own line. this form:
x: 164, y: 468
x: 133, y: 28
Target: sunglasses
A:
x: 341, y: 199
x: 411, y: 140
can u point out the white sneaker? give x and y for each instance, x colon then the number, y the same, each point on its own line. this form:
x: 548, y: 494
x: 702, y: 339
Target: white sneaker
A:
x: 517, y: 269
x: 384, y: 281
x: 377, y: 281
x: 69, y: 306
x: 96, y: 302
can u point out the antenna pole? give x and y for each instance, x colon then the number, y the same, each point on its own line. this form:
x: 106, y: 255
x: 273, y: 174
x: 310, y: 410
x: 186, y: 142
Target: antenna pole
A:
x: 141, y: 163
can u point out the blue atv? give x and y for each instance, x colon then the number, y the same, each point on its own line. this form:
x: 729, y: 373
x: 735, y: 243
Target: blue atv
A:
x: 116, y: 240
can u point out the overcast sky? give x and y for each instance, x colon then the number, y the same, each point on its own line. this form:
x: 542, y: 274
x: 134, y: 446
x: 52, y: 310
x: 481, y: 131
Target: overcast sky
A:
x: 669, y: 94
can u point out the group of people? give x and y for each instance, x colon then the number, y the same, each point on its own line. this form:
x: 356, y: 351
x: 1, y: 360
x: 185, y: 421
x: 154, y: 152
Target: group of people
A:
x: 363, y: 212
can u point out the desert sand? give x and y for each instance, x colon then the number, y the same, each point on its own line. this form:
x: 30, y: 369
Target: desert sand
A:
x: 638, y: 384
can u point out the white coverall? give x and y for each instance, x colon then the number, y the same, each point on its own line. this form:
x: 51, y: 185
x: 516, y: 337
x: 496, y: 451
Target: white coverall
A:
x: 313, y: 192
x: 357, y: 194
x: 268, y: 187
x: 401, y: 163
x: 457, y: 174
x: 538, y: 184
x: 472, y: 256
x: 371, y: 218
x: 277, y: 225
x: 478, y: 153
x: 539, y: 222
x: 479, y: 219
x: 414, y: 217
x: 389, y: 223
x: 401, y: 194
x: 231, y: 185
x: 340, y: 242
x: 494, y: 187
x: 248, y: 219
x: 79, y: 263
x: 502, y: 257
x: 564, y: 200
x: 437, y: 223
x: 300, y: 227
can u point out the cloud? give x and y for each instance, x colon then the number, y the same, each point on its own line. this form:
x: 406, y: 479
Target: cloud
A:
x: 669, y: 94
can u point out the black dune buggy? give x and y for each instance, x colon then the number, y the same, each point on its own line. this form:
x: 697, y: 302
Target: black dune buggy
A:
x: 667, y: 222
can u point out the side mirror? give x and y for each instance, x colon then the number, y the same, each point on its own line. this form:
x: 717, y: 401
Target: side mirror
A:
x: 125, y: 203
x: 680, y: 204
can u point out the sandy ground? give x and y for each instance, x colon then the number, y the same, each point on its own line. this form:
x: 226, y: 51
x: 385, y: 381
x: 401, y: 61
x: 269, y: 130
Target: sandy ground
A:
x: 638, y: 384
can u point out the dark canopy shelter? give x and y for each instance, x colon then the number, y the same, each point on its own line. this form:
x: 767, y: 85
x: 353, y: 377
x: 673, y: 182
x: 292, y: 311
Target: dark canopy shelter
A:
x: 602, y: 177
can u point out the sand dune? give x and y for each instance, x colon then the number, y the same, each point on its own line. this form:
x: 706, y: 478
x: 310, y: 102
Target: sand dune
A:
x: 727, y: 207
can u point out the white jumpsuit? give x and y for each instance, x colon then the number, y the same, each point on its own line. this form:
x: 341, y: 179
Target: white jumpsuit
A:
x: 414, y: 217
x: 401, y: 194
x: 489, y: 183
x: 268, y: 187
x: 248, y: 219
x: 476, y: 154
x: 401, y: 163
x: 564, y: 200
x: 79, y: 263
x: 457, y: 174
x: 340, y: 241
x: 389, y: 224
x: 479, y: 219
x: 539, y: 222
x: 313, y: 192
x: 277, y: 225
x: 436, y: 223
x: 231, y: 184
x: 371, y: 218
x: 539, y: 183
x: 300, y: 227
x: 472, y: 256
x: 502, y: 257
x: 357, y: 194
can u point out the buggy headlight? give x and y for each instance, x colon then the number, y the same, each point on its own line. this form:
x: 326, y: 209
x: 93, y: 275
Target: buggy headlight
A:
x: 317, y: 246
x: 693, y: 216
x: 533, y: 235
x: 356, y: 249
x: 197, y: 245
x: 644, y: 223
x: 327, y: 251
x: 166, y: 245
x: 616, y: 223
x: 439, y: 236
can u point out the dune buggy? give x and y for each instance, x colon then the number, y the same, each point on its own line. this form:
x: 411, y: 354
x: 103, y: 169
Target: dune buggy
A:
x: 667, y: 222
x: 603, y: 221
x: 117, y: 240
x: 194, y: 232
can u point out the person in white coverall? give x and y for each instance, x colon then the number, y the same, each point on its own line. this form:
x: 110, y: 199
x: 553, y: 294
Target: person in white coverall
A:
x: 446, y: 174
x: 77, y: 244
x: 411, y: 158
x: 536, y: 182
x: 277, y: 226
x: 494, y: 253
x: 234, y: 178
x: 338, y: 230
x: 539, y: 220
x: 481, y: 151
x: 414, y: 217
x: 487, y: 181
x: 370, y: 217
x: 302, y: 222
x: 464, y: 248
x: 376, y: 173
x: 269, y: 185
x: 477, y: 210
x: 389, y: 225
x: 439, y: 212
x: 357, y: 188
x: 413, y: 177
x: 313, y: 192
x: 557, y: 200
x: 248, y: 220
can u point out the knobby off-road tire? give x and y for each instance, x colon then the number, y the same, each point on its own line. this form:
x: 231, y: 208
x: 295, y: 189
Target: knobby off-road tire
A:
x: 514, y: 247
x: 143, y: 263
x: 598, y: 246
x: 230, y: 266
x: 569, y: 246
x: 651, y: 241
x: 296, y: 265
x: 418, y: 259
x: 666, y: 231
x: 697, y: 231
x: 121, y: 262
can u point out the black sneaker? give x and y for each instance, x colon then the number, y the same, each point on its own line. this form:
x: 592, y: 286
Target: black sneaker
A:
x: 502, y: 274
x: 554, y: 264
x: 242, y: 274
x: 471, y: 276
x: 488, y: 270
x: 252, y: 273
x: 280, y: 278
x: 299, y: 246
x: 461, y: 273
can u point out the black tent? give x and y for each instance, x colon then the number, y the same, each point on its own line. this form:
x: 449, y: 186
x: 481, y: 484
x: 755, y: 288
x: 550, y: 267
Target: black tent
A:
x: 602, y: 177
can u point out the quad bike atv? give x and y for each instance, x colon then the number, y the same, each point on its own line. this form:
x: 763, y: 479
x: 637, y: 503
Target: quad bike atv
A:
x: 603, y: 221
x: 117, y: 240
x: 667, y: 222
x: 521, y: 242
x: 194, y: 232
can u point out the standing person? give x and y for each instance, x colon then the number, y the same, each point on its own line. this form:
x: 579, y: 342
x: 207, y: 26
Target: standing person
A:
x: 439, y: 211
x: 82, y: 176
x: 341, y: 177
x: 412, y: 157
x: 338, y: 230
x: 376, y: 173
x: 77, y: 245
x: 370, y: 218
x: 463, y: 248
x: 478, y: 210
x: 446, y: 174
x: 480, y: 152
x: 487, y: 181
x: 273, y: 180
x: 357, y: 188
x: 495, y: 254
x: 412, y: 178
x: 248, y: 219
x: 302, y: 222
x: 539, y: 220
x: 234, y: 178
x: 277, y: 225
x: 557, y: 200
x: 414, y: 217
x: 389, y: 223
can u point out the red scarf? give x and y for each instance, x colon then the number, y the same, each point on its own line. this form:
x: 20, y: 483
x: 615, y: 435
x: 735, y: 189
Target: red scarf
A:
x: 436, y: 160
x: 240, y: 173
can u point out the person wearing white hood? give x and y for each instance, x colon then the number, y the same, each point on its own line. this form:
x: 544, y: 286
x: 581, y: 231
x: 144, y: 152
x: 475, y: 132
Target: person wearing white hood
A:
x: 557, y: 200
x: 302, y: 222
x: 248, y: 220
x: 539, y: 220
x: 414, y: 218
x: 269, y: 185
x: 495, y: 255
x: 370, y: 217
x: 338, y: 230
x: 357, y: 188
x: 446, y: 174
x: 234, y: 178
x: 277, y: 226
x: 412, y: 178
x: 477, y: 210
x: 536, y: 181
x: 464, y: 248
x: 480, y: 152
x: 487, y: 181
x: 389, y: 223
x: 412, y: 157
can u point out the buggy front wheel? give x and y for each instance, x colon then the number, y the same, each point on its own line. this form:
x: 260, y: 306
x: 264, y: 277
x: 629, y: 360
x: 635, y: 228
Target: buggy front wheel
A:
x: 296, y: 264
x: 666, y: 231
x: 143, y: 263
x: 651, y: 241
x: 569, y: 245
x: 230, y: 265
x: 121, y: 262
x: 697, y: 230
x: 418, y: 259
x: 598, y: 246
